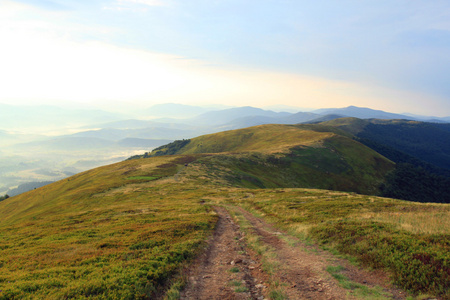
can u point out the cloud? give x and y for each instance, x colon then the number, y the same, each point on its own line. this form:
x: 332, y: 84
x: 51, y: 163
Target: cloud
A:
x: 133, y: 5
x: 144, y: 2
x: 43, y: 68
x: 52, y: 56
x: 46, y: 4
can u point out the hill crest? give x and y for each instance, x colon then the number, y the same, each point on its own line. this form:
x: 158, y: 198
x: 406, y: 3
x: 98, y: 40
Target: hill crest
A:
x: 127, y: 230
x: 312, y: 156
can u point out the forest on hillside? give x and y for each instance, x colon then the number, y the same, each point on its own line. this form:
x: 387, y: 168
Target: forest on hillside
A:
x: 422, y: 154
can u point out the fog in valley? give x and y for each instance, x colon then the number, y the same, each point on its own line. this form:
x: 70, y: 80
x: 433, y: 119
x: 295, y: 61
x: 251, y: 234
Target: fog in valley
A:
x: 42, y: 144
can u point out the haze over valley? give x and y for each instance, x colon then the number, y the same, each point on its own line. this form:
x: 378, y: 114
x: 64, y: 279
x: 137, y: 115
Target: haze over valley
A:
x: 52, y: 142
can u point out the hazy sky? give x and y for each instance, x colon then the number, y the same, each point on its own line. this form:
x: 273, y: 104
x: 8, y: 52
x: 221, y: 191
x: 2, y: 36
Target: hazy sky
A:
x: 392, y: 55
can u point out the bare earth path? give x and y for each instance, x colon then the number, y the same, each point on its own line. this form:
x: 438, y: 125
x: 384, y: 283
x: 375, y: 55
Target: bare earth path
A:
x: 229, y: 270
x: 223, y: 271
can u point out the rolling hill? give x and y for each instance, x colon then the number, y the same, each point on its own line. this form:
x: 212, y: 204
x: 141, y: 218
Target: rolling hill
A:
x: 114, y: 134
x: 103, y: 141
x: 71, y: 144
x: 310, y: 156
x: 335, y: 157
x: 130, y: 229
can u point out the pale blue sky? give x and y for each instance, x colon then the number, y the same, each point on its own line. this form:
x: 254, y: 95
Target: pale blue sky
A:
x: 390, y: 55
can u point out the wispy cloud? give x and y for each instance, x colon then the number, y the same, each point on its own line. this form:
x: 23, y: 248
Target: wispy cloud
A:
x: 46, y: 4
x: 383, y: 55
x: 92, y: 72
x: 144, y: 2
x: 133, y: 5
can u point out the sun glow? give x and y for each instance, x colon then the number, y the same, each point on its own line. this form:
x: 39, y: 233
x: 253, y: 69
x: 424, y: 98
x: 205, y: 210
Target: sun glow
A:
x: 43, y: 68
x: 41, y: 64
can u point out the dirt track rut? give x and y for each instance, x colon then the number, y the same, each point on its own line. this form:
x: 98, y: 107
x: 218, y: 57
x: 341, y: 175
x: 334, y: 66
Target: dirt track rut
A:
x: 223, y: 271
x: 229, y: 270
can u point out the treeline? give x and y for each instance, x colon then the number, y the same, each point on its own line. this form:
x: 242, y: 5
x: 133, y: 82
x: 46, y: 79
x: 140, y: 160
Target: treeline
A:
x: 413, y: 183
x: 4, y: 197
x: 428, y: 142
x: 169, y: 149
x: 400, y: 157
x: 413, y: 179
x: 422, y: 154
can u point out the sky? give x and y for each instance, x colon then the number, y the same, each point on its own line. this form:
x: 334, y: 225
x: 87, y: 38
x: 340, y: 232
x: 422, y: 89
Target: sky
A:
x: 388, y: 55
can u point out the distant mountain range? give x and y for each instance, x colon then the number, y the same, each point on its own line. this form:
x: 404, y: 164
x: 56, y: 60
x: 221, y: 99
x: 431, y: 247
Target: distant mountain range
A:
x: 250, y: 116
x: 360, y: 112
x: 173, y: 110
x: 102, y: 137
x: 178, y: 116
x: 76, y: 143
x: 226, y: 119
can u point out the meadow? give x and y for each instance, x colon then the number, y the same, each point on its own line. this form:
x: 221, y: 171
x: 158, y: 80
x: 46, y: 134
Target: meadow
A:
x: 118, y: 237
x: 410, y: 241
x: 128, y: 230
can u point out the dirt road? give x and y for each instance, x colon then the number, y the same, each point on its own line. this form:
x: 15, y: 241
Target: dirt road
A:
x: 230, y: 269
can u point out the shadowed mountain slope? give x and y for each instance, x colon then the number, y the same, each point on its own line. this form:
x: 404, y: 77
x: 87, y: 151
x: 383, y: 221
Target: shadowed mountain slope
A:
x: 428, y: 142
x: 420, y: 150
x: 346, y: 154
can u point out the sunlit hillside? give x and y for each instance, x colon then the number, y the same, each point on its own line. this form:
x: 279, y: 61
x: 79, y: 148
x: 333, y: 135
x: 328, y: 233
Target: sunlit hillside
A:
x: 128, y: 230
x: 311, y: 156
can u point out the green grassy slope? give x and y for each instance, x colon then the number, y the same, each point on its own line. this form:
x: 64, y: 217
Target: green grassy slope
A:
x: 125, y: 231
x: 111, y: 231
x: 312, y: 156
x: 271, y: 138
x: 409, y: 240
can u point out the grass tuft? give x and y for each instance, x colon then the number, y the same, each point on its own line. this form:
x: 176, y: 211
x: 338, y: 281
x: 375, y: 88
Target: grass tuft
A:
x: 374, y: 232
x: 357, y: 288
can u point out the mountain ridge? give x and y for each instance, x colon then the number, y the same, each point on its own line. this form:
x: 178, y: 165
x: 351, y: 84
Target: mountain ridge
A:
x: 322, y: 144
x: 122, y: 133
x: 130, y: 229
x: 290, y: 152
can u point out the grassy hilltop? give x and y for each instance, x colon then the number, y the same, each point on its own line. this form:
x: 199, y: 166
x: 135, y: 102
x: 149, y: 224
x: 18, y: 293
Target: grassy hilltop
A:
x: 127, y: 230
x: 270, y: 156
